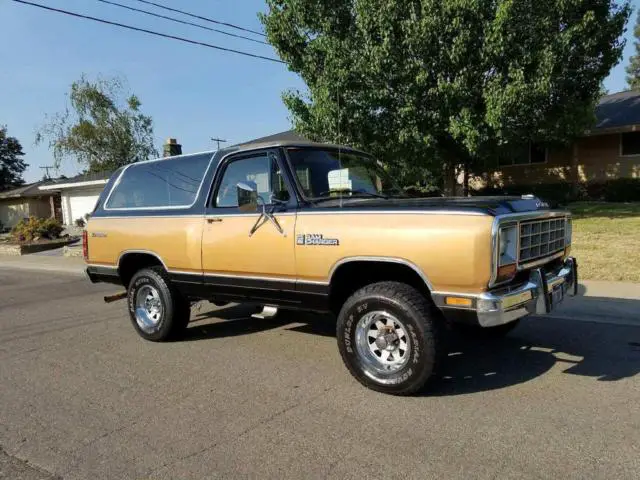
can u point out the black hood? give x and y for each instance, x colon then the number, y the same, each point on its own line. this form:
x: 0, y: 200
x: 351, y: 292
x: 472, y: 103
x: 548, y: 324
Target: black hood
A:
x: 488, y: 205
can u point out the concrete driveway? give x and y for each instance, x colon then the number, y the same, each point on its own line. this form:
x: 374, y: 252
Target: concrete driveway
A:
x: 81, y: 396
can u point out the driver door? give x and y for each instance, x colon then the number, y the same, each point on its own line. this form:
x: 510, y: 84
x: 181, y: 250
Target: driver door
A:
x: 259, y: 265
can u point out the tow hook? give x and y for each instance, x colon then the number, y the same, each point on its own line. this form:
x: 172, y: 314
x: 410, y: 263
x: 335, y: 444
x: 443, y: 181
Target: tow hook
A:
x: 116, y: 297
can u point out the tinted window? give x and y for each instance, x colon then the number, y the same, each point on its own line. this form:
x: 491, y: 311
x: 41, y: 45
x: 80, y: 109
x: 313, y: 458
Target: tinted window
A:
x: 163, y: 183
x: 631, y: 143
x: 262, y: 170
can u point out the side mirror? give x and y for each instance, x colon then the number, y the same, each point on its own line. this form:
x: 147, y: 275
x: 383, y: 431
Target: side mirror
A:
x: 247, y: 196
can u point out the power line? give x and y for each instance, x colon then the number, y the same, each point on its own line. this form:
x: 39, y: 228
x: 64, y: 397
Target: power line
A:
x: 177, y: 20
x: 150, y: 32
x: 201, y: 18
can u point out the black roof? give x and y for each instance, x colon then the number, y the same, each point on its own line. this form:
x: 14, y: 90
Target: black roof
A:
x: 289, y: 135
x: 285, y: 139
x: 618, y: 110
x: 83, y: 177
x: 28, y: 190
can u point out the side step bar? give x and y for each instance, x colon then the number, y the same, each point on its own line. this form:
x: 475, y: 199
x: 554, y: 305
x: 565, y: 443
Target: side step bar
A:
x: 266, y: 313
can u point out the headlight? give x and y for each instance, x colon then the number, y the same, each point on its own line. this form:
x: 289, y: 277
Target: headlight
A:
x: 508, y: 244
x: 567, y: 232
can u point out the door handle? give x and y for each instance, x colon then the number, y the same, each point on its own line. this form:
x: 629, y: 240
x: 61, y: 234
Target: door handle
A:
x: 214, y: 220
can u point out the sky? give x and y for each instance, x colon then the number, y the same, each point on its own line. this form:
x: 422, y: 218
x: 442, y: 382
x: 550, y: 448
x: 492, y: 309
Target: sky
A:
x: 192, y: 93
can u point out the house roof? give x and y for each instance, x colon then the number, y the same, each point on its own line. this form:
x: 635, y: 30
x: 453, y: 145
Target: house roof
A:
x: 82, y: 180
x: 618, y: 110
x: 29, y: 190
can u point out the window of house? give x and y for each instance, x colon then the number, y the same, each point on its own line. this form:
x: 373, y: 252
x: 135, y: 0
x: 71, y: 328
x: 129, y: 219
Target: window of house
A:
x: 170, y: 183
x: 262, y: 170
x: 630, y: 143
x: 524, y: 154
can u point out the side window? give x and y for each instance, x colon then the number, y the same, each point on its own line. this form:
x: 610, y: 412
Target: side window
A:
x: 262, y: 170
x: 161, y: 183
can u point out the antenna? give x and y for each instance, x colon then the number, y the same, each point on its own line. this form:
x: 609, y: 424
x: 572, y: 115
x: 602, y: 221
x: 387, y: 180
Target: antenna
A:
x: 219, y: 141
x: 47, y: 168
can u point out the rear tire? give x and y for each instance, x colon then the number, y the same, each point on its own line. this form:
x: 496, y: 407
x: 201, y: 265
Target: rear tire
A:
x: 390, y: 338
x: 158, y: 312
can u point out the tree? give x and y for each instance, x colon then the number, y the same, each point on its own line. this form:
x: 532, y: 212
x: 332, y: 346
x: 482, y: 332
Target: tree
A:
x: 440, y: 84
x: 12, y: 166
x: 633, y: 69
x: 102, y: 130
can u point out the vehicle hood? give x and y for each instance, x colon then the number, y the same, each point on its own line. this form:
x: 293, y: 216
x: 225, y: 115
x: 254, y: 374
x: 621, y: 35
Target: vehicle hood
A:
x: 487, y: 205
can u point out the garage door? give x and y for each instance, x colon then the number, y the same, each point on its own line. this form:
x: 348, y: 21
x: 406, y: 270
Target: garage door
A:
x: 80, y: 204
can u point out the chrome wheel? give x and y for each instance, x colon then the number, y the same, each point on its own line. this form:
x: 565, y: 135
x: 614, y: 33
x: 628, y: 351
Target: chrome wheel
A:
x: 149, y: 309
x: 382, y: 342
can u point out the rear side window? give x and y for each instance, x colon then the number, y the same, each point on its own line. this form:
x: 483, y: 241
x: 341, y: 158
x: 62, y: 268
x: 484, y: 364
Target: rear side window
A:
x: 164, y: 183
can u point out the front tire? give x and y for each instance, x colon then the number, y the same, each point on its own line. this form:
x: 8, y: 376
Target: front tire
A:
x: 390, y: 338
x: 158, y: 312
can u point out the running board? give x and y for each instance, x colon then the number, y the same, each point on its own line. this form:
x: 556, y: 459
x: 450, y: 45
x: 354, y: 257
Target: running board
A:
x: 266, y: 313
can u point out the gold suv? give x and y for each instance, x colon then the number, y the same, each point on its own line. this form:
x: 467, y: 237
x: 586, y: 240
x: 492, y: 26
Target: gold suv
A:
x: 322, y: 228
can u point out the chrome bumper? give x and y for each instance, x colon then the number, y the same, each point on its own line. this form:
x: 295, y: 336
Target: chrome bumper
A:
x: 539, y: 295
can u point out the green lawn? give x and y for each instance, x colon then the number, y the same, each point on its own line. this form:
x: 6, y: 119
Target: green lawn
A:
x: 606, y: 240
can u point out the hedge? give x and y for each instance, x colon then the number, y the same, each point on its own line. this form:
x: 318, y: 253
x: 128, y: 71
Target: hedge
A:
x: 615, y: 190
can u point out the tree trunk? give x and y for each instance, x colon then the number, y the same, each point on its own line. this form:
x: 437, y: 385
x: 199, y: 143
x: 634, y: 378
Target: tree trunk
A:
x: 465, y: 181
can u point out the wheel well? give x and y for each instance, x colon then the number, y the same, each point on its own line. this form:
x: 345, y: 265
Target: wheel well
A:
x: 352, y: 276
x: 130, y: 263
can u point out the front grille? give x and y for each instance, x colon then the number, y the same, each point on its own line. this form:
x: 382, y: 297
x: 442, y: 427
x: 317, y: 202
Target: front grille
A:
x: 541, y: 238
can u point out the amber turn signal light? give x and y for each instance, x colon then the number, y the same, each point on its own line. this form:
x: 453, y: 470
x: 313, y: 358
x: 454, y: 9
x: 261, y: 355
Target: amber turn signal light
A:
x: 458, y: 301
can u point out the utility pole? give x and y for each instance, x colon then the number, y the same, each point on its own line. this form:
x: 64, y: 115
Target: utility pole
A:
x: 219, y: 140
x: 46, y: 173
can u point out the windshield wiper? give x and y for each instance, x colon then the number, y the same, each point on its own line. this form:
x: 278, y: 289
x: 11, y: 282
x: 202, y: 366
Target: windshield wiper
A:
x: 323, y: 195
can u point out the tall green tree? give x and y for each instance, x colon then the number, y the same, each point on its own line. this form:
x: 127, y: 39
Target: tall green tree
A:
x: 103, y: 127
x: 439, y: 84
x: 633, y: 69
x: 12, y: 165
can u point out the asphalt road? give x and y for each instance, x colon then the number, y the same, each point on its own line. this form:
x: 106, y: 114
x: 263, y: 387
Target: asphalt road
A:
x: 81, y: 396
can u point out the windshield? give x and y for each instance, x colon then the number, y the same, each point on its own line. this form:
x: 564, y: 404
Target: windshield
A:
x: 329, y: 173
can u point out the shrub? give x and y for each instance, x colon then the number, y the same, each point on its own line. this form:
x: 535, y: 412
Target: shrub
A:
x: 80, y: 222
x: 29, y: 228
x: 622, y: 190
x: 615, y: 190
x: 553, y: 193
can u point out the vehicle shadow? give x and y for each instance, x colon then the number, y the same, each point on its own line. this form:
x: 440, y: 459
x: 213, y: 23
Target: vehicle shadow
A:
x: 473, y: 363
x: 602, y: 351
x: 229, y: 321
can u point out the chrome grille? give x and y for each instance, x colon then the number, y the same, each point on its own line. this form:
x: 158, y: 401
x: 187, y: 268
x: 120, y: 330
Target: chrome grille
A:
x: 541, y: 238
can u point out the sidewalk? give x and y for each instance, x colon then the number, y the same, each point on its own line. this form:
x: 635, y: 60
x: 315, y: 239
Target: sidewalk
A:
x: 604, y: 302
x: 44, y: 263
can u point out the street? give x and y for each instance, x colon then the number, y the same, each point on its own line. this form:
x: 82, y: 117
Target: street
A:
x: 83, y: 397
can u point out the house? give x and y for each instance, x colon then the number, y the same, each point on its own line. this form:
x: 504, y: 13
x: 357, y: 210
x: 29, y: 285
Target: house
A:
x: 26, y: 201
x: 610, y: 150
x: 78, y: 195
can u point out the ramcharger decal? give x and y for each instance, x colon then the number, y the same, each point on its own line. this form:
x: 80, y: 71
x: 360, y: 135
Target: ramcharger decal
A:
x: 316, y: 239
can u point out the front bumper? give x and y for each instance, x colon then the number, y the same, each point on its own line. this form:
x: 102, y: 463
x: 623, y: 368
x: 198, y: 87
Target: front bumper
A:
x: 540, y: 294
